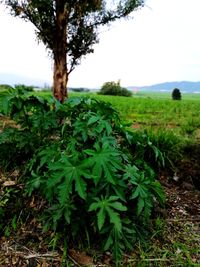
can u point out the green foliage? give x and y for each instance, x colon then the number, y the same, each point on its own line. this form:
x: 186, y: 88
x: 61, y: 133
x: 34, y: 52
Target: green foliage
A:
x: 176, y: 94
x: 145, y: 149
x: 114, y: 88
x: 8, y: 202
x: 79, y: 157
x: 32, y: 127
x: 23, y: 87
x: 5, y: 87
x: 160, y: 148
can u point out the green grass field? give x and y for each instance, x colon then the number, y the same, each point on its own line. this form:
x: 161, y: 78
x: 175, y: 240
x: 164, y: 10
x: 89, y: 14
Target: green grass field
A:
x: 149, y: 110
x: 159, y: 111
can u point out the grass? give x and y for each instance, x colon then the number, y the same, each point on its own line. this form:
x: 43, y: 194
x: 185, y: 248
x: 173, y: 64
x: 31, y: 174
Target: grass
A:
x: 153, y: 111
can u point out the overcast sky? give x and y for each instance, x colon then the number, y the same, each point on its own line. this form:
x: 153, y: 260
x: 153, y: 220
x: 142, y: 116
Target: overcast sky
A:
x: 161, y: 43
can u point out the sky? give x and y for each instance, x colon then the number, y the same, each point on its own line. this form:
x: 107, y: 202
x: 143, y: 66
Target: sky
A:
x: 160, y: 44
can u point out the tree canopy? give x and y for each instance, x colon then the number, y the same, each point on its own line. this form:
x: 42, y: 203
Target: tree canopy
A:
x: 69, y: 29
x: 176, y: 94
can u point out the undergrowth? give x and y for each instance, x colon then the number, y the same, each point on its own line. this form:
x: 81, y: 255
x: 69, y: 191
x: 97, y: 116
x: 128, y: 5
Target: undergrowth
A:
x: 79, y: 157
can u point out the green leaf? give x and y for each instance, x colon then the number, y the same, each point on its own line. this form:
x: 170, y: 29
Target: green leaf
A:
x: 119, y: 206
x: 66, y: 172
x: 109, y: 242
x: 64, y: 191
x: 140, y: 205
x: 101, y: 215
x: 93, y: 119
x: 114, y: 218
x: 135, y: 193
x: 140, y: 191
x: 104, y: 160
x: 113, y: 198
x: 80, y: 186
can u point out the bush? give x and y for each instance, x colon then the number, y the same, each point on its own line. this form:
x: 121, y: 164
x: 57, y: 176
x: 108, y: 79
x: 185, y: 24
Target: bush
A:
x: 5, y: 87
x: 79, y: 158
x: 176, y: 94
x: 23, y: 87
x: 114, y: 88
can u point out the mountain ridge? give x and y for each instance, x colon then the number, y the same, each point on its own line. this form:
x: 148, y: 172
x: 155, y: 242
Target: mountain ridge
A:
x: 184, y: 86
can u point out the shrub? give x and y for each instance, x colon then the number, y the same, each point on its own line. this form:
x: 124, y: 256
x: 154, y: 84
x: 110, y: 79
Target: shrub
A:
x: 23, y: 87
x: 5, y: 87
x: 176, y: 94
x: 114, y: 88
x: 80, y: 160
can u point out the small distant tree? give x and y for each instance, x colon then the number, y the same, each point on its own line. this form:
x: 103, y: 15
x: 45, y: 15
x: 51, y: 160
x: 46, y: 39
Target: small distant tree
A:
x: 176, y: 94
x: 114, y: 88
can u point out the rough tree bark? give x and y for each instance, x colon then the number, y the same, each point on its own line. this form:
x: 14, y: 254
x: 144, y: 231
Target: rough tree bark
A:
x: 60, y: 75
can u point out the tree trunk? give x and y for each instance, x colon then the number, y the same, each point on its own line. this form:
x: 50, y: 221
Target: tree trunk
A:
x: 60, y: 76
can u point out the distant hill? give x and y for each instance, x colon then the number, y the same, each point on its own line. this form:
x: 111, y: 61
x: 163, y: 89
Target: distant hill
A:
x: 184, y: 86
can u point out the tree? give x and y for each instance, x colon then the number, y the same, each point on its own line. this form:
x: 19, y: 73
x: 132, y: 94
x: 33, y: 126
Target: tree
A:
x: 69, y: 29
x: 176, y: 94
x: 114, y: 88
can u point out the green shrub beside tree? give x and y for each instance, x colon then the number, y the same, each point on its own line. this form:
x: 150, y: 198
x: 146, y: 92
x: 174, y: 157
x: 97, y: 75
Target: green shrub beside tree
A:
x: 114, y: 88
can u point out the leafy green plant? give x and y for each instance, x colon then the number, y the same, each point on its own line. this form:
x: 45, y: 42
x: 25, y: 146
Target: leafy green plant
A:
x: 34, y: 122
x: 80, y: 159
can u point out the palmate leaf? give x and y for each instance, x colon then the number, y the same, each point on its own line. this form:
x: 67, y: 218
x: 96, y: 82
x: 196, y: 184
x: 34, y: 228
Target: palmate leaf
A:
x: 48, y: 154
x: 110, y: 207
x: 131, y: 172
x: 94, y: 118
x: 101, y: 125
x: 140, y: 191
x: 105, y: 160
x: 66, y: 172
